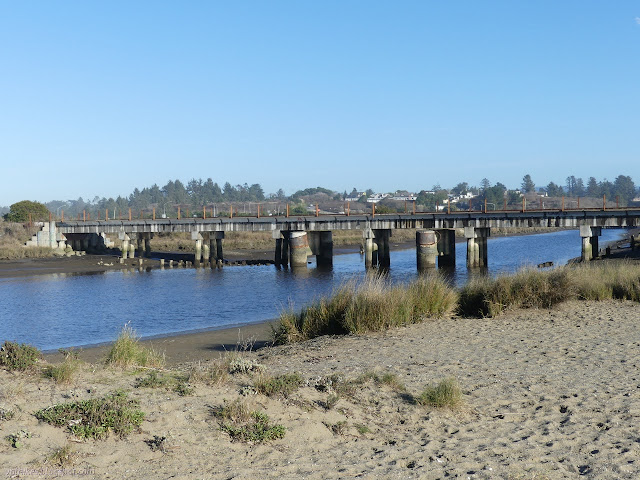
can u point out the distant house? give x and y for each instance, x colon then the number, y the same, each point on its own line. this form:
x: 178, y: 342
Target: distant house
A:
x: 356, y: 197
x: 404, y: 197
x: 376, y: 197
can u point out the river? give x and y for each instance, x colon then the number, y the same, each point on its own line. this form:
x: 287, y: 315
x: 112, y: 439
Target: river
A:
x: 54, y: 311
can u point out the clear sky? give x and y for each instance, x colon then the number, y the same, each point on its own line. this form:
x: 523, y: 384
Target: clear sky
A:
x: 97, y: 98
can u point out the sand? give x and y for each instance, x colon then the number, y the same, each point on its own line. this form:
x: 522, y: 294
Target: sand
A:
x: 547, y: 394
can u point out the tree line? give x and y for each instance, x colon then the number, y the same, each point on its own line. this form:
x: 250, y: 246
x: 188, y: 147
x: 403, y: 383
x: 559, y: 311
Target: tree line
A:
x: 198, y: 193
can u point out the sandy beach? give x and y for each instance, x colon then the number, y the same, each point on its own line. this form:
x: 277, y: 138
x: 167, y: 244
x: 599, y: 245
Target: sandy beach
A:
x: 547, y: 394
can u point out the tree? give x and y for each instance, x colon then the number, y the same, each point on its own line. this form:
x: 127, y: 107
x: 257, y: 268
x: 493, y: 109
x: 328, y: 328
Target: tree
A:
x: 593, y: 189
x: 460, y: 189
x: 554, y: 190
x: 19, y: 212
x: 527, y: 184
x: 625, y: 189
x: 485, y: 184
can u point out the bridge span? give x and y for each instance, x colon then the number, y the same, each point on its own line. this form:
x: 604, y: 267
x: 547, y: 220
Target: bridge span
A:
x: 296, y: 237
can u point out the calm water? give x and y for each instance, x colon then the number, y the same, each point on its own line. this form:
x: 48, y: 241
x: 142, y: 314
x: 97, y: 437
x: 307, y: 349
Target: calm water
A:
x: 53, y: 311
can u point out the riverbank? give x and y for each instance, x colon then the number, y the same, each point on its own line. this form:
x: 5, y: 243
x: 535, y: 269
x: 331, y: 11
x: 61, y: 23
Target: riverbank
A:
x: 546, y: 395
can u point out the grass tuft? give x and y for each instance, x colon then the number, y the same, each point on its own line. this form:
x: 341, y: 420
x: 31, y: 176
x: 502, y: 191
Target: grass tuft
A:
x: 63, y: 457
x: 95, y: 418
x: 64, y: 372
x: 446, y: 394
x: 127, y: 352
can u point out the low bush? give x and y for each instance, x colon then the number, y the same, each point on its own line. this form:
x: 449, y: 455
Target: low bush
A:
x: 16, y: 356
x: 95, y: 418
x: 242, y: 424
x: 283, y: 385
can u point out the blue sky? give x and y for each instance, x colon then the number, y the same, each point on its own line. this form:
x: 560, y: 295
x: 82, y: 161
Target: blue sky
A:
x: 97, y: 98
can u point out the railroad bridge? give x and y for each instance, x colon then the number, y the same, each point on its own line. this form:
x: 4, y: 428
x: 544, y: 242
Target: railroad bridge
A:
x: 296, y: 237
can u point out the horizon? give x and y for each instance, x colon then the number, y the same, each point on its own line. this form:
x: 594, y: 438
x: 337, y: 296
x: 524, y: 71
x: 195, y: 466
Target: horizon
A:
x: 98, y: 103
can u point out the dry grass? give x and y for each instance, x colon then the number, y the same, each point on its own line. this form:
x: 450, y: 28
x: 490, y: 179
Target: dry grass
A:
x: 488, y: 297
x: 64, y: 372
x: 13, y: 236
x: 373, y: 305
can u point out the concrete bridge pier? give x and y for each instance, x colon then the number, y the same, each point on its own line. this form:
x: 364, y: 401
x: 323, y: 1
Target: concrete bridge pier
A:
x: 147, y: 244
x: 299, y: 249
x: 370, y: 248
x: 279, y: 253
x: 376, y: 248
x: 589, y: 242
x: 382, y: 240
x: 321, y: 244
x: 219, y: 256
x: 132, y: 250
x: 125, y: 244
x: 141, y: 242
x: 426, y: 249
x: 476, y: 246
x: 197, y: 236
x: 446, y: 247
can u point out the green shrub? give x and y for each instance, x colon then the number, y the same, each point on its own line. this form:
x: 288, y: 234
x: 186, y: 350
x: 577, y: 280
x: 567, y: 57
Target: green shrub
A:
x: 283, y: 385
x: 245, y: 425
x: 16, y: 356
x: 95, y: 418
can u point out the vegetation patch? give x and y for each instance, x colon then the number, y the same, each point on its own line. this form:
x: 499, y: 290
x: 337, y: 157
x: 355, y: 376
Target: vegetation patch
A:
x: 211, y: 373
x: 6, y: 414
x: 244, y: 425
x: 62, y: 457
x: 95, y: 418
x: 446, y: 394
x: 152, y: 380
x: 16, y: 440
x: 64, y: 372
x: 127, y: 352
x: 372, y: 305
x: 283, y: 385
x: 16, y: 356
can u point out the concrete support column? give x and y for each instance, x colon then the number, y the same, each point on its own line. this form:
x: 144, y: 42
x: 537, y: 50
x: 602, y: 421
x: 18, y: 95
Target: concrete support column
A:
x: 219, y: 238
x: 477, y: 254
x: 382, y: 240
x: 53, y: 243
x: 446, y: 247
x: 369, y: 247
x: 589, y: 242
x: 426, y: 249
x: 206, y: 252
x: 321, y: 245
x: 140, y: 241
x: 147, y: 244
x: 277, y: 257
x: 324, y: 257
x: 85, y: 243
x: 285, y: 249
x: 299, y: 246
x: 132, y: 250
x: 125, y: 245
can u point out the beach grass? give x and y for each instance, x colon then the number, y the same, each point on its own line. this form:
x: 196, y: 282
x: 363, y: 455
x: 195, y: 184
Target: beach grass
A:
x: 127, y: 352
x: 445, y: 394
x: 372, y: 305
